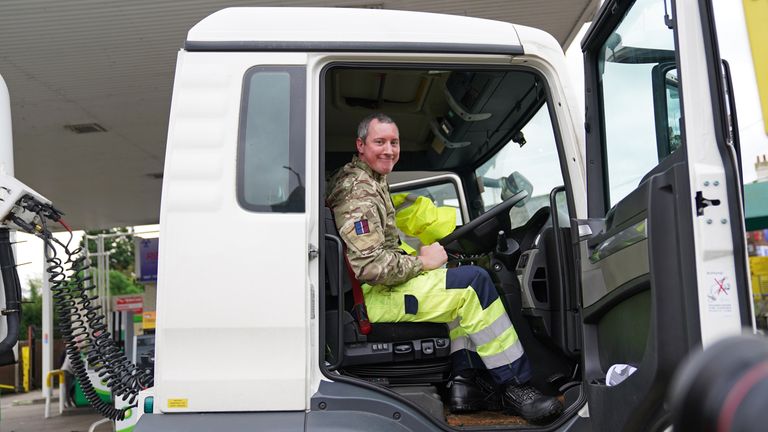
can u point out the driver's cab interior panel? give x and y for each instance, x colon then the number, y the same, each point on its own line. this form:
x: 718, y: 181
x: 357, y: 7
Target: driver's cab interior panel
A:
x: 481, y: 141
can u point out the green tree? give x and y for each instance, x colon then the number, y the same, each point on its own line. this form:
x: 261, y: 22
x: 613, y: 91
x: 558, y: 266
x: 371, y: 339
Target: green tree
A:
x: 122, y: 279
x: 121, y: 249
x: 120, y: 284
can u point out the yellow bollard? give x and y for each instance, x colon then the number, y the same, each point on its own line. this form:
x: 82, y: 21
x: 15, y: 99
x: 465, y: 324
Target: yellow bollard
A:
x: 26, y: 368
x: 62, y: 391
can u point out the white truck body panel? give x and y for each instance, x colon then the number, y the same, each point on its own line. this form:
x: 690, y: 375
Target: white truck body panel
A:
x: 212, y: 352
x: 714, y: 249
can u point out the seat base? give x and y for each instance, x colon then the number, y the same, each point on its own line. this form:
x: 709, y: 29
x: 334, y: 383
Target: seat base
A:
x: 358, y: 353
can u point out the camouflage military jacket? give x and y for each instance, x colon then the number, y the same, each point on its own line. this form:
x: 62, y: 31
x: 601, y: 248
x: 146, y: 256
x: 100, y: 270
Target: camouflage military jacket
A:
x: 365, y: 217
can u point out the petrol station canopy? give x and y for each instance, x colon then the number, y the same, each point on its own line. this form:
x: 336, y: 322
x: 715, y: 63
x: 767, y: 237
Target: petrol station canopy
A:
x: 90, y: 84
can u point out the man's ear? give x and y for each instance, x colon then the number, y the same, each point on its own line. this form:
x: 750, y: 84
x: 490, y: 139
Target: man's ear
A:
x: 359, y: 144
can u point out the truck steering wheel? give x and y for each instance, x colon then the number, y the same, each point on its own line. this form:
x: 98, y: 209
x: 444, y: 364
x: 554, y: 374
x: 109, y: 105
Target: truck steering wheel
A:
x: 501, y: 210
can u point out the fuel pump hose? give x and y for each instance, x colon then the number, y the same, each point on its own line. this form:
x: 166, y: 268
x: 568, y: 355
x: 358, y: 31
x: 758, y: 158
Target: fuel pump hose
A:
x: 82, y: 324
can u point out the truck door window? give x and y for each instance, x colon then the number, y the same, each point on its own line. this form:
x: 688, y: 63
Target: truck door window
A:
x: 640, y: 104
x: 528, y: 162
x: 271, y: 150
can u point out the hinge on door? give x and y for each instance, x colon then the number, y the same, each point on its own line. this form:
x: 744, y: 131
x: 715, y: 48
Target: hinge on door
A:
x: 313, y: 252
x: 702, y: 203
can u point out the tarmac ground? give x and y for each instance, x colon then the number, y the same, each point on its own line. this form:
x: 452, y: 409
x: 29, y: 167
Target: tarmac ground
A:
x: 24, y: 412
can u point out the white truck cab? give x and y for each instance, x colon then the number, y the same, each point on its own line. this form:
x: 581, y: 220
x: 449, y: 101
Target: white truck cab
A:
x: 614, y: 238
x: 627, y: 248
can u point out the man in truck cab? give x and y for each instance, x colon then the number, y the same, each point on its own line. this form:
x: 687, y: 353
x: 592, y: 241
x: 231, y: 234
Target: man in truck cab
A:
x: 398, y: 287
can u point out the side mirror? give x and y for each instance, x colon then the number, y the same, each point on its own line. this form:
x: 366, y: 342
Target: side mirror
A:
x: 513, y: 184
x: 666, y: 104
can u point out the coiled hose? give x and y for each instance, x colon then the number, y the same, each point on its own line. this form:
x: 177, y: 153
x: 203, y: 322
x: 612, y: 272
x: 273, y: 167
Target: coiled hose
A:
x: 83, y: 327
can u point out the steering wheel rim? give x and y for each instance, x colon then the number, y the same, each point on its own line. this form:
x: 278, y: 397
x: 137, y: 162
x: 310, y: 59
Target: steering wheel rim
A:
x: 493, y: 213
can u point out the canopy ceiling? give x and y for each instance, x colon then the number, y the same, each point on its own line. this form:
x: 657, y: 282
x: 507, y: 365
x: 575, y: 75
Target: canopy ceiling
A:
x: 108, y: 66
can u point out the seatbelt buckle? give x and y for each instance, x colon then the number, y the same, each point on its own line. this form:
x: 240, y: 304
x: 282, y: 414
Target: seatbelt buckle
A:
x: 361, y: 316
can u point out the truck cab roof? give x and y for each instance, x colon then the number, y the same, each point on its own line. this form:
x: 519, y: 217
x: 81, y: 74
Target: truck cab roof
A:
x: 334, y: 29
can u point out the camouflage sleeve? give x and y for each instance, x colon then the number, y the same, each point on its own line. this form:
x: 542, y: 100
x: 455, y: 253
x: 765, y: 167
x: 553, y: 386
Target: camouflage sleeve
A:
x: 361, y: 228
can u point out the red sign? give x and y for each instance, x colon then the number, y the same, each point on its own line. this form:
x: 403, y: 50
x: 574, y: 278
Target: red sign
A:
x: 129, y: 303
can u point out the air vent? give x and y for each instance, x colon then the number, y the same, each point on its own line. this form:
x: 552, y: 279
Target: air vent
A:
x: 84, y: 128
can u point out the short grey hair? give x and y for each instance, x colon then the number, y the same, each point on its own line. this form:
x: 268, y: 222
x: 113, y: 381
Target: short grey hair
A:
x: 362, y: 128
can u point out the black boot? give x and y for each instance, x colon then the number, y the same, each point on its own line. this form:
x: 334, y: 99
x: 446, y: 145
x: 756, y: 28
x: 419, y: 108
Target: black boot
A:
x: 473, y: 394
x: 529, y: 403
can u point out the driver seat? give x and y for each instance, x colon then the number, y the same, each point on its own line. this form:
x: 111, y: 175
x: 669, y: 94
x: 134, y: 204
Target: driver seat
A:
x: 392, y: 353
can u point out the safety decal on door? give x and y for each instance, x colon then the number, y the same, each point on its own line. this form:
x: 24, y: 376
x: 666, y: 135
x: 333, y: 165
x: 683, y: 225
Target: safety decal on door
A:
x: 720, y: 295
x: 719, y: 304
x: 178, y: 403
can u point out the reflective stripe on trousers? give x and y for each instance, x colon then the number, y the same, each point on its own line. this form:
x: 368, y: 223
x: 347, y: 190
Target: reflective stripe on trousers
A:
x: 465, y: 298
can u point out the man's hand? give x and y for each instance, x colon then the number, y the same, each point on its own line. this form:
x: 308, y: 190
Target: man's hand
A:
x: 432, y: 256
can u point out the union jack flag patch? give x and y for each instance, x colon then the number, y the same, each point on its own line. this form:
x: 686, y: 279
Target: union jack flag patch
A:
x: 361, y: 227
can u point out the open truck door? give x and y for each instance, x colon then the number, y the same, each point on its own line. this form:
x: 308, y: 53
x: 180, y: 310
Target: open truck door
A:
x: 662, y: 253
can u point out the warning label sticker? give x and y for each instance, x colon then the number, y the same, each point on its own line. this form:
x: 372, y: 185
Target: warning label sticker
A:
x: 178, y: 403
x: 720, y: 293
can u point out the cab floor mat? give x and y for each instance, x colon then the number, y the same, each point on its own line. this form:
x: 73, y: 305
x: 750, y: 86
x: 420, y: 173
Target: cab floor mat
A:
x: 483, y: 418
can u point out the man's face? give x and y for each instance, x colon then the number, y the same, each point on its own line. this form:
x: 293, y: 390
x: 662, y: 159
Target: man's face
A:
x: 381, y: 148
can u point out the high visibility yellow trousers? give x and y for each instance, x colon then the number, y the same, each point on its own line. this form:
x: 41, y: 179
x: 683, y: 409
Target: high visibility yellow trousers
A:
x: 466, y: 299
